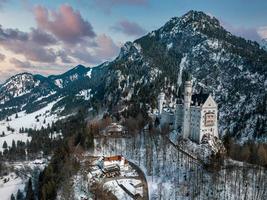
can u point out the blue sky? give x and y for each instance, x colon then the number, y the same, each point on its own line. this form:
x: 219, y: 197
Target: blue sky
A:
x: 37, y: 36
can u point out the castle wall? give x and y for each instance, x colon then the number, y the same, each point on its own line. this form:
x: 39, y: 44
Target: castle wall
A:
x: 167, y: 118
x: 195, y: 120
x: 179, y: 116
x: 207, y: 126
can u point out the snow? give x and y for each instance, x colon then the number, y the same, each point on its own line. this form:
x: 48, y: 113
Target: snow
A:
x: 86, y: 94
x: 58, y: 82
x: 171, y: 175
x: 116, y: 189
x: 15, y: 181
x: 28, y: 120
x: 138, y: 47
x: 11, y: 187
x: 182, y: 67
x: 131, y: 185
x: 13, y: 136
x: 43, y: 97
x: 89, y: 73
x: 169, y: 46
x: 74, y: 77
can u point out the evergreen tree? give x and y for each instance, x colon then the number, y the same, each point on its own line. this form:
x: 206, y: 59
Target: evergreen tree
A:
x: 12, y: 197
x: 13, y: 144
x: 4, y: 145
x: 29, y: 192
x: 20, y: 195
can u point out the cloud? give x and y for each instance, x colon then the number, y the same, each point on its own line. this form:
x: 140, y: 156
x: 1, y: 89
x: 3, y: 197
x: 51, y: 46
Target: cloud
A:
x: 262, y: 31
x: 10, y: 34
x: 64, y: 57
x: 129, y: 28
x: 104, y: 50
x: 66, y: 24
x: 40, y: 37
x: 106, y: 47
x: 20, y: 64
x: 31, y: 45
x: 107, y: 6
x: 2, y: 57
x: 249, y: 33
x: 61, y: 39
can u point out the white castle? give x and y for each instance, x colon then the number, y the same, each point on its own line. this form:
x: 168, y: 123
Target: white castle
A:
x: 196, y: 117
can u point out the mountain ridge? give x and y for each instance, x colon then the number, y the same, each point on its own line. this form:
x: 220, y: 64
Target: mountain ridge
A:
x: 231, y: 68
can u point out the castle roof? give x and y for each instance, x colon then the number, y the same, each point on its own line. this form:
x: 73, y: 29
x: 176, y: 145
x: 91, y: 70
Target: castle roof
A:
x: 199, y: 99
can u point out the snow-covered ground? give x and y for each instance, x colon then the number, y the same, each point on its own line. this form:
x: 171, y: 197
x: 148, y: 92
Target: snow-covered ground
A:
x: 116, y: 189
x: 15, y: 180
x: 13, y: 136
x: 172, y: 175
x: 11, y: 187
x: 35, y: 120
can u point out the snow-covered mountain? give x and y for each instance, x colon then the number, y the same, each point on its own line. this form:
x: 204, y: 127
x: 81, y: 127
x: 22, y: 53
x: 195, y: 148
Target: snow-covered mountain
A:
x: 264, y: 44
x: 231, y: 68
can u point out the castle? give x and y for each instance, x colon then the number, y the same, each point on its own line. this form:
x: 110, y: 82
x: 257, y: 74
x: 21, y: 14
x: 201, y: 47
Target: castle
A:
x: 194, y: 118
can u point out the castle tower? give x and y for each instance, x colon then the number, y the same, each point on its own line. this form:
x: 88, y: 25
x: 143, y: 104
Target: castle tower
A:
x: 187, y: 102
x: 161, y: 99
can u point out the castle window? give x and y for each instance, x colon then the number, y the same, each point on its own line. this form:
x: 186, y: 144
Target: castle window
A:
x: 209, y: 119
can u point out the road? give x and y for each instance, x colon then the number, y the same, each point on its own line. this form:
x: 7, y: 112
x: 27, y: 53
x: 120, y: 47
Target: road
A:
x: 141, y: 176
x: 143, y: 179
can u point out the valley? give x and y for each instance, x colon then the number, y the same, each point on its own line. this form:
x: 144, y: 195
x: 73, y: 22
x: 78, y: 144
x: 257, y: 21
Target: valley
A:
x: 180, y: 113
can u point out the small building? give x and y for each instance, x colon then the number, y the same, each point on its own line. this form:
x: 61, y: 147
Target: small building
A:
x: 114, y: 129
x: 120, y: 160
x: 111, y: 170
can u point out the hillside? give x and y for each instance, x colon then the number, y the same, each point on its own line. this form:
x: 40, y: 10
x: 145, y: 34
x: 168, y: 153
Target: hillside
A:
x: 231, y: 68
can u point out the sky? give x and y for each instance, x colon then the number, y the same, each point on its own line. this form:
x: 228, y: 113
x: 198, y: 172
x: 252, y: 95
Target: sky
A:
x: 52, y: 36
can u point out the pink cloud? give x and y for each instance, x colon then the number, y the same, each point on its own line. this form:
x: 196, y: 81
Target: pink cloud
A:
x: 66, y: 24
x: 129, y: 28
x: 106, y: 47
x: 2, y: 57
x: 104, y: 50
x: 28, y: 44
x: 20, y: 64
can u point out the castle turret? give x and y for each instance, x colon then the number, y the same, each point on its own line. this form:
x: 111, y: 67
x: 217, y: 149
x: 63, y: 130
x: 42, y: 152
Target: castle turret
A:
x: 161, y: 99
x: 187, y: 103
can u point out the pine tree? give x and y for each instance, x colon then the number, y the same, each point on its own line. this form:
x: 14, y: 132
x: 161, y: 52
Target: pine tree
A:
x: 12, y: 197
x: 13, y: 144
x: 4, y: 145
x: 20, y: 195
x: 29, y: 192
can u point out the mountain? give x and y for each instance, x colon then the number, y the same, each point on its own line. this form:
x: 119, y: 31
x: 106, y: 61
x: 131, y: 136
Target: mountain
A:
x: 264, y: 44
x: 231, y: 68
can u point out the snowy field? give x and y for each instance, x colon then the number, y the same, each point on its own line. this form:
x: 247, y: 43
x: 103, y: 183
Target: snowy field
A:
x: 11, y: 187
x: 10, y: 183
x: 13, y: 136
x: 35, y: 120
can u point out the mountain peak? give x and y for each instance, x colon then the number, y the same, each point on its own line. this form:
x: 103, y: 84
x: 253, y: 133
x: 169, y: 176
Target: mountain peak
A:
x: 79, y: 67
x: 192, y: 21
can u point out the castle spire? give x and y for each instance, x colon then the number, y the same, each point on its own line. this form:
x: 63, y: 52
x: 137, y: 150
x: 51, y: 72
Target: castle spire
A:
x: 187, y: 104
